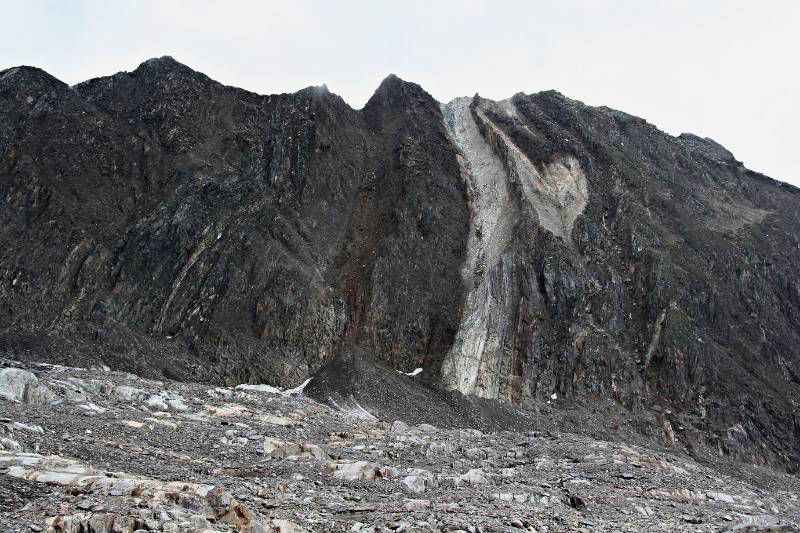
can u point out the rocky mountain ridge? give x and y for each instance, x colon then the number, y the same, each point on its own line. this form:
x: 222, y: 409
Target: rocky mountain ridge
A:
x: 158, y: 222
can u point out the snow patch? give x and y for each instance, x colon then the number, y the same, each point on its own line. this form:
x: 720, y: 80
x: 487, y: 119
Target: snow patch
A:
x: 413, y: 373
x: 269, y: 389
x: 297, y: 390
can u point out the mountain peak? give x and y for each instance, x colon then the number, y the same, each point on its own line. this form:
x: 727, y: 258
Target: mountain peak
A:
x: 165, y: 61
x: 24, y: 75
x: 394, y: 90
x: 164, y: 65
x: 394, y: 83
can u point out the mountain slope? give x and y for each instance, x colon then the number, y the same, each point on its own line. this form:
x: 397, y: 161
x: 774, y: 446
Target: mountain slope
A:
x: 160, y: 222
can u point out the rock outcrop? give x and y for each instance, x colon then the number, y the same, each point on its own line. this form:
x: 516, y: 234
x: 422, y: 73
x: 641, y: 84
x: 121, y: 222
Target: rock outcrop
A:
x: 530, y: 250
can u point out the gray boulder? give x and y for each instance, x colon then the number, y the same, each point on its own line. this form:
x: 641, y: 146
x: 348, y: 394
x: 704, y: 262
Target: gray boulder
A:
x: 21, y: 386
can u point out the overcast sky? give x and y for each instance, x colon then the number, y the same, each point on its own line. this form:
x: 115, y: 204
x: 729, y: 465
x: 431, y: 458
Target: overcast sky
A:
x: 729, y: 70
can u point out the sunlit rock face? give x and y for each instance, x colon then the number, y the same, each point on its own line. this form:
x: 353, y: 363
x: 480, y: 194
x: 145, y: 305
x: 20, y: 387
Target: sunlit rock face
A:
x: 160, y: 222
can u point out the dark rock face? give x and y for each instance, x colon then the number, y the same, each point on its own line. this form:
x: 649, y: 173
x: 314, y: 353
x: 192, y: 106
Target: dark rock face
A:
x: 160, y: 222
x: 675, y: 286
x: 176, y: 223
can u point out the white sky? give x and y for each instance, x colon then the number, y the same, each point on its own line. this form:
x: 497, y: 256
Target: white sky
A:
x: 729, y: 70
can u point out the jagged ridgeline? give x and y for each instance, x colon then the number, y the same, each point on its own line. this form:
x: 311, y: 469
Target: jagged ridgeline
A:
x: 159, y: 222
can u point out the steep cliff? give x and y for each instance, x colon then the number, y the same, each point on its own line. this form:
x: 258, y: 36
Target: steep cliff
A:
x: 654, y: 270
x: 177, y: 224
x: 160, y: 222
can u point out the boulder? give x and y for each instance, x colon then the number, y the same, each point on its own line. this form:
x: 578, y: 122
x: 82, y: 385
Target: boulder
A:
x: 720, y: 497
x: 398, y: 426
x: 156, y: 403
x: 21, y: 386
x: 128, y: 394
x: 474, y: 476
x: 77, y: 389
x: 356, y: 470
x: 418, y: 481
x: 9, y: 444
x: 280, y: 449
x: 166, y: 402
x: 416, y: 506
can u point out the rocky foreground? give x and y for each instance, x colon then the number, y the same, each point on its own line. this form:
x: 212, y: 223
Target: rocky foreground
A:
x: 102, y: 451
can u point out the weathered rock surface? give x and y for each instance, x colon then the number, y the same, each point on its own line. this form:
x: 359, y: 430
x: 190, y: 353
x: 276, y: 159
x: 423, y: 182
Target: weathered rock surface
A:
x: 222, y: 467
x: 21, y: 386
x: 530, y: 250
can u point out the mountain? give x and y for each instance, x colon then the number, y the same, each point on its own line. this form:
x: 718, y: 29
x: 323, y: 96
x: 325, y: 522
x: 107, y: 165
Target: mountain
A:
x: 529, y: 250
